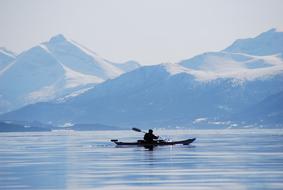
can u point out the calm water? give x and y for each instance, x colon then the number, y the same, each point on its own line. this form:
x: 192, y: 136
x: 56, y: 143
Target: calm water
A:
x: 218, y: 159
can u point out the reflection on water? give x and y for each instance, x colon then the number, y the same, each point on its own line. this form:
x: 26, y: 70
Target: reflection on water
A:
x: 218, y: 159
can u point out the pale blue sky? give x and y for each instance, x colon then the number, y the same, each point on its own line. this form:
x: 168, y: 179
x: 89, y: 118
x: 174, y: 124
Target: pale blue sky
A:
x: 149, y: 31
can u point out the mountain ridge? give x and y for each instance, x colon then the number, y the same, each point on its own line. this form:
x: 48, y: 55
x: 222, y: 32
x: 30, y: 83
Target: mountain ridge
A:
x: 52, y: 70
x: 215, y: 85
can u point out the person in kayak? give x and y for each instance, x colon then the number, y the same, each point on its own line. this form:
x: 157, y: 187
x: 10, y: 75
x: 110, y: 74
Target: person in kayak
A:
x: 149, y: 136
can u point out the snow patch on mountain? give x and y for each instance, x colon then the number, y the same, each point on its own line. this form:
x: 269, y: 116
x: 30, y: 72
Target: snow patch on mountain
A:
x: 73, y: 95
x: 119, y: 68
x: 215, y: 67
x: 7, y: 52
x: 81, y: 59
x: 43, y: 94
x: 6, y: 58
x: 46, y: 49
x: 6, y: 67
x: 75, y: 79
x: 72, y: 77
x: 127, y: 66
x: 103, y: 63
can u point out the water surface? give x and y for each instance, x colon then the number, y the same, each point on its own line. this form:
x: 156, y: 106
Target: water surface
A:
x: 218, y: 159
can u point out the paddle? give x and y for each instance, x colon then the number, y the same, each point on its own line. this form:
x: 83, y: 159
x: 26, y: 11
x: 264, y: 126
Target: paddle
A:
x: 139, y: 130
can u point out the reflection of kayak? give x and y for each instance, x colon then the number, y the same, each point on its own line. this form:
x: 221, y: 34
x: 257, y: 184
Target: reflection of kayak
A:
x: 157, y: 143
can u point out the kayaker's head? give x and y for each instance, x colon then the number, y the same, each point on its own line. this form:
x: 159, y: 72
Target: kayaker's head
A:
x: 150, y: 131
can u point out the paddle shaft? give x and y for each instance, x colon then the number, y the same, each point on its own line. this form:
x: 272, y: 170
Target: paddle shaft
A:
x: 139, y: 130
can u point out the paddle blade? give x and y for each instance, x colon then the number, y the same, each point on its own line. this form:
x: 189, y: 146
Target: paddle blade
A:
x: 136, y: 129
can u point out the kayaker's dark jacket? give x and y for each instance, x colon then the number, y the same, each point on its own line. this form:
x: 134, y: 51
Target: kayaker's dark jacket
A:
x: 149, y: 137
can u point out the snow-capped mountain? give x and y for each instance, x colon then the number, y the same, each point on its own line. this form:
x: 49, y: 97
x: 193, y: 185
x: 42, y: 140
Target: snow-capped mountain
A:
x: 53, y: 69
x: 216, y: 86
x: 79, y: 59
x: 267, y: 43
x: 154, y: 96
x: 245, y: 59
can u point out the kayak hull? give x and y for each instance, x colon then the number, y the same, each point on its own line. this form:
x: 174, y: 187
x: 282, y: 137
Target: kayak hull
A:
x: 157, y: 143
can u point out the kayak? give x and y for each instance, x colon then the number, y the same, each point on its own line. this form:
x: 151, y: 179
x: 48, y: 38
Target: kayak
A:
x: 156, y: 143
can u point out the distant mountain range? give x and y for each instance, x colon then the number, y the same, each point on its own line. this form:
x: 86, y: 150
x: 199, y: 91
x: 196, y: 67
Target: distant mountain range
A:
x: 236, y: 87
x: 51, y: 70
x: 26, y: 126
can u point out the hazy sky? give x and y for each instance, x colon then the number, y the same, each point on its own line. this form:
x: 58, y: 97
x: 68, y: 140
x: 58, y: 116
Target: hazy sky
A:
x: 149, y: 31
